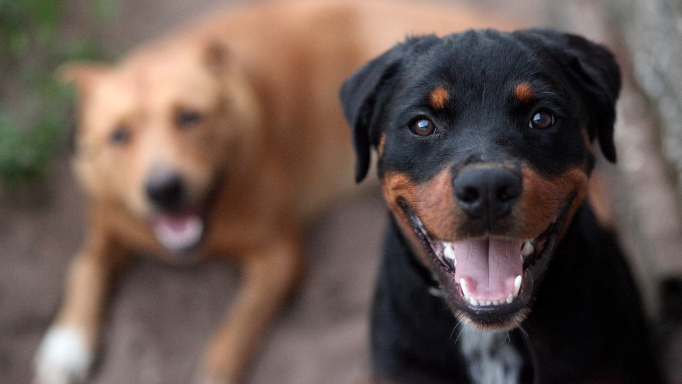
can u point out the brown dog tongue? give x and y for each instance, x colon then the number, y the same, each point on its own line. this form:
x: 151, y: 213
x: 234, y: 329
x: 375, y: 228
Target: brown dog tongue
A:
x: 488, y: 266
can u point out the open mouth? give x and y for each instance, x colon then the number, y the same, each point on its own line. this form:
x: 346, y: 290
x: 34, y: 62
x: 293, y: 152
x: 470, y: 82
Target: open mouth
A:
x: 178, y: 231
x: 180, y: 228
x: 489, y: 281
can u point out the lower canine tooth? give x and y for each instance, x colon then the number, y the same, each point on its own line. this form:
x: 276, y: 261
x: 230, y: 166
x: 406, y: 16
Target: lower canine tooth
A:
x: 510, y: 298
x: 527, y: 248
x: 517, y: 285
x: 473, y: 301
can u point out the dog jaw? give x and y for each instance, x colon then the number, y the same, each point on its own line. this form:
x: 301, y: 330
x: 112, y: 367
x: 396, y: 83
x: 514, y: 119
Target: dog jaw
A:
x: 488, y: 279
x: 492, y: 285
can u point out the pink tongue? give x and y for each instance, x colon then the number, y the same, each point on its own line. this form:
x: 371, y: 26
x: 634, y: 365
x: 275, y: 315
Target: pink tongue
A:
x: 178, y: 231
x: 488, y: 266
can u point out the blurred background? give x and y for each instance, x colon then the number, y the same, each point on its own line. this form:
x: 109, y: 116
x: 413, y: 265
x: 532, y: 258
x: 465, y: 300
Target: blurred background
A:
x: 161, y: 316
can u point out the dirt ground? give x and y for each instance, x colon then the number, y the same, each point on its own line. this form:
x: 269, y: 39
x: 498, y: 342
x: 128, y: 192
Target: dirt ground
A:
x: 162, y: 316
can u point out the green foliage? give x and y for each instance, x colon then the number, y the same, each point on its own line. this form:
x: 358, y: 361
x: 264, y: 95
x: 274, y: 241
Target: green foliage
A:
x: 33, y: 106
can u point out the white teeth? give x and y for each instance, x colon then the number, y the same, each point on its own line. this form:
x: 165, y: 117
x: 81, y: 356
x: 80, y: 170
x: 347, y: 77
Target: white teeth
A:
x: 465, y: 290
x: 449, y: 252
x: 479, y: 302
x: 527, y: 249
x: 517, y: 285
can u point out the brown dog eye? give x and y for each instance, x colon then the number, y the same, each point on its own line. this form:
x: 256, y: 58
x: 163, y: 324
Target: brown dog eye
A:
x: 422, y: 127
x: 120, y: 135
x: 188, y: 118
x: 541, y: 120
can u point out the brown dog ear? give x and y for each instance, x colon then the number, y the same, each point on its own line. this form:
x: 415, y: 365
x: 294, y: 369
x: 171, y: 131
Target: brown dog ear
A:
x: 216, y: 56
x: 594, y: 69
x: 364, y: 96
x: 82, y: 75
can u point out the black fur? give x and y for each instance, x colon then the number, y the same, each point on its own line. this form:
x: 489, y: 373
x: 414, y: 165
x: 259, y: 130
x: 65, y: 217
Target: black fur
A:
x: 587, y: 322
x: 374, y: 82
x: 577, y: 76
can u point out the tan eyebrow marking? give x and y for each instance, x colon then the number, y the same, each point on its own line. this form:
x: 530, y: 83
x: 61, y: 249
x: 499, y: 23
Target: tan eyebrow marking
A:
x: 438, y: 97
x: 524, y: 92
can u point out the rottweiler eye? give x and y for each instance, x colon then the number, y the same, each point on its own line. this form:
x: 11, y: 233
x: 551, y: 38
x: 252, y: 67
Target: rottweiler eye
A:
x: 422, y: 127
x: 541, y: 120
x: 187, y: 118
x: 120, y: 135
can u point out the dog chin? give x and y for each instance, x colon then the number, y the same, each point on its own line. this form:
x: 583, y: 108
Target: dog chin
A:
x: 488, y: 282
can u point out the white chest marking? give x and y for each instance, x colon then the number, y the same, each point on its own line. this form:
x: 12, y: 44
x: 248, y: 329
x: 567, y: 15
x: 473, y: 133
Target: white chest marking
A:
x: 490, y: 357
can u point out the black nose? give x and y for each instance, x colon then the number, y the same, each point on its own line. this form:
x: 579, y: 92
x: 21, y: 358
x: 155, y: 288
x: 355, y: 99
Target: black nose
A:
x: 165, y: 189
x: 487, y: 192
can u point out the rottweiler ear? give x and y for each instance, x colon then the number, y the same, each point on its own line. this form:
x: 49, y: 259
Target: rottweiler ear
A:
x: 365, y: 93
x: 362, y: 96
x: 595, y: 70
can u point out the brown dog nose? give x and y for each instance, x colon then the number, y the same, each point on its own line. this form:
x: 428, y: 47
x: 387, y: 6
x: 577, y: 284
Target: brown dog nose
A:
x: 165, y: 189
x: 487, y: 192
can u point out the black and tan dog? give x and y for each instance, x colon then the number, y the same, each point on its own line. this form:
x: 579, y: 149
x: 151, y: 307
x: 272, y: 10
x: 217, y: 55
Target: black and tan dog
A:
x: 485, y: 148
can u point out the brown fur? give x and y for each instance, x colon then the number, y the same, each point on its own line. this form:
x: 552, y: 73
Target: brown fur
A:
x: 599, y: 196
x: 264, y: 80
x: 539, y: 211
x: 438, y: 97
x: 433, y: 202
x: 524, y: 93
x: 380, y: 146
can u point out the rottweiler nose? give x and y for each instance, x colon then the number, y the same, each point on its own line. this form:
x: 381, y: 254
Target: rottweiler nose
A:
x: 487, y: 192
x: 165, y: 189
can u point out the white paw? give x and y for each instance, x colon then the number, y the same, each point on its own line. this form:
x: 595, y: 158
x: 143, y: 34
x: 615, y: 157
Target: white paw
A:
x: 63, y: 357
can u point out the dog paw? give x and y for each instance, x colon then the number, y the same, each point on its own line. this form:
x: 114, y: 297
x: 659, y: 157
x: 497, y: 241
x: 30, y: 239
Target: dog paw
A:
x: 63, y: 357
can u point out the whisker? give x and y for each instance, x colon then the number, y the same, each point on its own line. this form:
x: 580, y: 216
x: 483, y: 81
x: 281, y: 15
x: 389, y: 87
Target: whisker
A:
x: 453, y: 331
x: 459, y: 334
x: 524, y: 332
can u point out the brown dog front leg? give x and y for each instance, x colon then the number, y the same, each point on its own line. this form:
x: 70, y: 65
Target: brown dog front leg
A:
x: 270, y: 275
x: 68, y: 349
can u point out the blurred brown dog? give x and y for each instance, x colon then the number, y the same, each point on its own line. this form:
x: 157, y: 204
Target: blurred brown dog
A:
x: 220, y: 140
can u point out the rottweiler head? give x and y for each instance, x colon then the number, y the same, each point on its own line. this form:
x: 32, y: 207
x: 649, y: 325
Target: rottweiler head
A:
x: 485, y: 141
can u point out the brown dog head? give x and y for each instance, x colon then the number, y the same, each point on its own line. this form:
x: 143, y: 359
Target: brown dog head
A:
x: 485, y: 147
x: 158, y: 133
